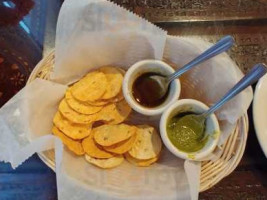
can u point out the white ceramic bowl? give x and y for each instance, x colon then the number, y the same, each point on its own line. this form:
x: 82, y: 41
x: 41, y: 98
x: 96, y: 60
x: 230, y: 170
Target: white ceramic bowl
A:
x: 260, y: 112
x: 212, y: 128
x: 146, y: 66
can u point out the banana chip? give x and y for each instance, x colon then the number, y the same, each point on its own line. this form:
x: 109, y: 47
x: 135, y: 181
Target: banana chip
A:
x: 73, y: 145
x: 74, y: 116
x: 74, y: 131
x: 108, y: 135
x: 105, y: 163
x: 94, y: 150
x: 123, y: 146
x: 114, y: 79
x: 140, y: 163
x: 79, y: 106
x: 148, y: 143
x: 90, y: 88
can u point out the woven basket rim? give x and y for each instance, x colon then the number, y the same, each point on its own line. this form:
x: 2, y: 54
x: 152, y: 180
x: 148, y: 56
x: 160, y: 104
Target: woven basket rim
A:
x: 225, y: 166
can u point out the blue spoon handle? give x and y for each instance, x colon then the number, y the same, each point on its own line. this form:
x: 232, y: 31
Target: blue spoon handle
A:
x: 221, y: 46
x: 251, y: 77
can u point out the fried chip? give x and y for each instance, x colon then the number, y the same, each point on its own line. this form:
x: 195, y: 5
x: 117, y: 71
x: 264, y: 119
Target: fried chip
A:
x: 94, y: 150
x: 103, y: 102
x: 105, y: 163
x: 114, y: 79
x: 90, y: 88
x: 123, y: 110
x: 73, y: 145
x: 122, y: 71
x: 148, y: 143
x: 74, y: 131
x: 98, y: 103
x: 79, y: 106
x: 140, y: 163
x: 108, y: 135
x: 107, y: 113
x: 122, y: 147
x: 114, y: 113
x: 74, y: 116
x: 117, y: 98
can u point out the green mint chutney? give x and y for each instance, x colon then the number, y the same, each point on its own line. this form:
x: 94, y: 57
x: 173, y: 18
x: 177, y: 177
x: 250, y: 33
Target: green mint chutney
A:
x: 186, y: 133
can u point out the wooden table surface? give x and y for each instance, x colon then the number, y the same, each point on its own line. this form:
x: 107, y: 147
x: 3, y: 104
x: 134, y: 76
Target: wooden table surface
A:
x: 22, y: 45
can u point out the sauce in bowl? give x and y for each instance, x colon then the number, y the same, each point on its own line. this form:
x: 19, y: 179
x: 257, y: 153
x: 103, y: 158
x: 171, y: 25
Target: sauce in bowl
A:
x: 186, y: 133
x: 147, y: 91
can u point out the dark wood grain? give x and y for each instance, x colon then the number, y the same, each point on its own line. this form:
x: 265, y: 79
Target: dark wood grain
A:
x: 250, y: 38
x: 196, y: 10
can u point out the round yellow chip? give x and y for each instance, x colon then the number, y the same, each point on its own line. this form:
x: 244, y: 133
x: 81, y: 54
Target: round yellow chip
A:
x: 90, y: 88
x: 74, y: 116
x: 114, y: 79
x: 114, y: 113
x: 123, y: 110
x: 98, y: 102
x: 117, y: 98
x: 74, y: 131
x: 104, y: 102
x: 108, y: 135
x: 122, y: 71
x: 140, y: 163
x: 123, y: 146
x: 105, y: 163
x: 107, y: 113
x: 79, y: 106
x: 148, y: 143
x: 94, y: 150
x: 73, y: 145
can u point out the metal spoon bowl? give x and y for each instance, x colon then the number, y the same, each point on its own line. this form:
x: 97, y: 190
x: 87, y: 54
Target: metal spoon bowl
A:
x: 251, y: 77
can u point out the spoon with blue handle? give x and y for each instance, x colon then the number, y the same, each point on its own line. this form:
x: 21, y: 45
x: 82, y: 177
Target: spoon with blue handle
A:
x: 163, y: 81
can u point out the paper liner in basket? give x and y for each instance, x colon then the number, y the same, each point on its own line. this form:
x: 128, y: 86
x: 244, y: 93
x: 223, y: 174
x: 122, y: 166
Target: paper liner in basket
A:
x: 93, y: 33
x: 209, y: 81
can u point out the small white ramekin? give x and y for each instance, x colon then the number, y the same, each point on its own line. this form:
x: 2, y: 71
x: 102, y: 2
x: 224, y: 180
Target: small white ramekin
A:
x: 212, y: 128
x: 146, y: 66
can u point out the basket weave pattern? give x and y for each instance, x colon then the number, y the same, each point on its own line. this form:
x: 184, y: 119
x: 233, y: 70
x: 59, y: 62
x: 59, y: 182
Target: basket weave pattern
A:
x: 211, y: 171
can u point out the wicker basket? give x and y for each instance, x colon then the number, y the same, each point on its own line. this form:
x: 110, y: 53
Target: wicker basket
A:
x: 211, y: 171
